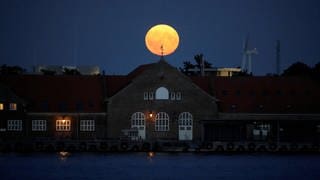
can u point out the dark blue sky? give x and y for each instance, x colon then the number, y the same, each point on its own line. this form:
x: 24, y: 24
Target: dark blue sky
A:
x: 110, y: 33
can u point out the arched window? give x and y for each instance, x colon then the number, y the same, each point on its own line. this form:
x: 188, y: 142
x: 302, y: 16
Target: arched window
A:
x: 185, y: 126
x: 162, y: 122
x: 138, y: 122
x: 162, y: 93
x: 185, y: 119
x: 137, y: 119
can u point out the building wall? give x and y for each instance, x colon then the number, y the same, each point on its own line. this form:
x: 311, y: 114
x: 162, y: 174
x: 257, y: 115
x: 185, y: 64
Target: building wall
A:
x: 131, y: 99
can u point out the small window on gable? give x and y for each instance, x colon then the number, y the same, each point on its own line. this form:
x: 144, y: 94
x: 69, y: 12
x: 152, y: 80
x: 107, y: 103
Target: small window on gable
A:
x: 178, y: 96
x: 162, y: 93
x: 172, y: 96
x: 145, y: 96
x: 150, y: 95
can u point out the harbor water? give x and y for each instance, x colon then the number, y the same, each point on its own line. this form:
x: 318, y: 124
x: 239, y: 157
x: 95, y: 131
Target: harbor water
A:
x: 158, y: 166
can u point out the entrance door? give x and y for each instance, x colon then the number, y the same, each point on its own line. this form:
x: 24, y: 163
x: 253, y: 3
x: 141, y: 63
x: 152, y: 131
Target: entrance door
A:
x: 185, y: 126
x: 138, y: 122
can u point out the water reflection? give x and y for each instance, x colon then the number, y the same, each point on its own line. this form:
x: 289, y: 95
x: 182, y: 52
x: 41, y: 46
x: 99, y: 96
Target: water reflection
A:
x: 150, y: 155
x: 63, y: 155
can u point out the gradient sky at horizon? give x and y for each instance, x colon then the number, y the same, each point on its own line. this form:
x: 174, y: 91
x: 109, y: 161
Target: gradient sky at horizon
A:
x: 110, y: 33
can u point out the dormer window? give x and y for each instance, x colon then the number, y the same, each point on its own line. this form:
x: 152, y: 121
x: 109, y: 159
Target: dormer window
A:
x: 178, y: 96
x: 145, y: 96
x: 162, y: 93
x: 13, y: 106
x: 150, y: 95
x: 172, y: 96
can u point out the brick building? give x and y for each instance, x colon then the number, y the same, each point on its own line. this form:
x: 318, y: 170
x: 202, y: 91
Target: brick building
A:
x: 156, y: 102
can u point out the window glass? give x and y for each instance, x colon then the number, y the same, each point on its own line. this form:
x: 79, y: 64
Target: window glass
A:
x: 39, y: 125
x: 162, y: 93
x: 162, y: 122
x: 63, y: 125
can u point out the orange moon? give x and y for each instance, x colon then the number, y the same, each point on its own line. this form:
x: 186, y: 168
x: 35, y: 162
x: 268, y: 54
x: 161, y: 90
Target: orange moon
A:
x: 162, y: 40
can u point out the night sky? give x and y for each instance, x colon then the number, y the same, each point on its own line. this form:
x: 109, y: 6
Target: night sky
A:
x: 110, y: 33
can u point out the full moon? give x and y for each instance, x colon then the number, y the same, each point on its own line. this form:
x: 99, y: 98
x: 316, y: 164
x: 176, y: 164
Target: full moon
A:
x: 162, y: 40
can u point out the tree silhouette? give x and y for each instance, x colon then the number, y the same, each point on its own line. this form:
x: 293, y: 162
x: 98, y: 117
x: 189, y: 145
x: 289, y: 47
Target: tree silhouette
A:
x: 187, y: 65
x: 67, y: 71
x: 298, y: 69
x: 11, y: 70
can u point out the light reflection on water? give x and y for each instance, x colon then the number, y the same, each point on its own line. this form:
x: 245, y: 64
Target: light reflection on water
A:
x: 63, y: 155
x: 152, y: 165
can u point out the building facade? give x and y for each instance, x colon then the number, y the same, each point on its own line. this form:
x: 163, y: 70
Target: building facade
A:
x: 161, y: 103
x: 157, y: 103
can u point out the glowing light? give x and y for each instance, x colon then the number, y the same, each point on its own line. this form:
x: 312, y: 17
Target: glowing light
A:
x: 162, y: 40
x: 150, y: 115
x: 63, y: 155
x: 63, y: 121
x: 150, y: 154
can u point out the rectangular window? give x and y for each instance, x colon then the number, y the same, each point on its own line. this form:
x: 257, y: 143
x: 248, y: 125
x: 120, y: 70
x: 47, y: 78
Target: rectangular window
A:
x: 63, y: 125
x: 172, y: 96
x: 1, y: 106
x: 87, y: 125
x: 39, y: 125
x: 145, y: 96
x: 178, y: 96
x: 150, y: 95
x: 14, y: 125
x: 13, y: 106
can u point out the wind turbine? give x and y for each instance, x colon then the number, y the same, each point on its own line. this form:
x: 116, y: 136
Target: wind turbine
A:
x: 247, y: 56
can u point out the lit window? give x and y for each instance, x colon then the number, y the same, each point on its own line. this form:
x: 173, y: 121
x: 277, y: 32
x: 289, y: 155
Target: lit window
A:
x: 145, y: 96
x: 13, y: 106
x: 87, y: 125
x: 1, y: 106
x: 172, y: 96
x: 39, y: 125
x: 14, y: 125
x: 63, y: 125
x: 162, y: 122
x: 150, y: 95
x: 162, y: 93
x: 178, y: 96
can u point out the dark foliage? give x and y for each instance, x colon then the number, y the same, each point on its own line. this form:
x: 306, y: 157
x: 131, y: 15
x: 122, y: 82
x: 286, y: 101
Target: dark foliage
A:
x: 298, y: 69
x: 11, y: 70
x: 187, y: 65
x: 48, y: 72
x: 71, y: 71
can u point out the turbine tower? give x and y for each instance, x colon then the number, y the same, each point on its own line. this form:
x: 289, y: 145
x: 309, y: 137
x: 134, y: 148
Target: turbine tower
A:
x: 247, y: 57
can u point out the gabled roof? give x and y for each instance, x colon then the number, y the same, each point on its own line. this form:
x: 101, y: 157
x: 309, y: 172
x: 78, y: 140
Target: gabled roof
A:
x: 139, y: 70
x: 115, y: 83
